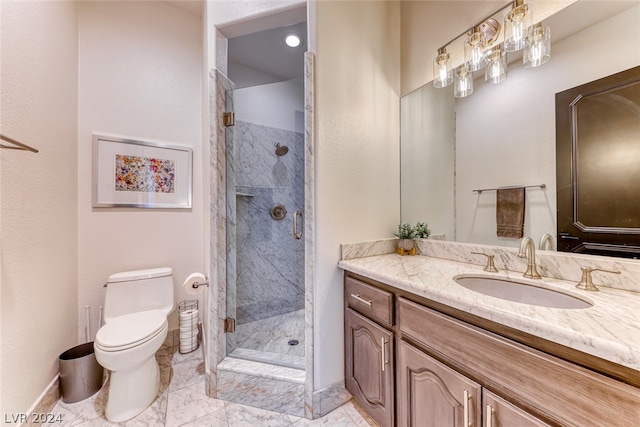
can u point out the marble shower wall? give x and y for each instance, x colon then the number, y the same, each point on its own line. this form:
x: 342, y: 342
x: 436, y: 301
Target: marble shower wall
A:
x: 269, y: 261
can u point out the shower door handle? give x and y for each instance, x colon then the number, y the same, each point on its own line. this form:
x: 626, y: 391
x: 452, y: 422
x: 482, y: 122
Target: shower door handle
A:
x: 297, y: 234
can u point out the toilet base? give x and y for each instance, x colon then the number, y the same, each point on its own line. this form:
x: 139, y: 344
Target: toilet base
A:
x: 132, y: 391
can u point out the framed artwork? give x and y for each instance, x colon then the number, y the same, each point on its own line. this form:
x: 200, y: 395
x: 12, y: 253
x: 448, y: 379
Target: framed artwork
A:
x: 141, y: 174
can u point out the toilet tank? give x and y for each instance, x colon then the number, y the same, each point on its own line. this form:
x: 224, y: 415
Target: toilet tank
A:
x: 140, y: 290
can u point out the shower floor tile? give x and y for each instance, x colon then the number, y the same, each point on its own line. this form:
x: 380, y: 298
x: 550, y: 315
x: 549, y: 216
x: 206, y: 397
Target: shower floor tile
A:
x: 272, y: 335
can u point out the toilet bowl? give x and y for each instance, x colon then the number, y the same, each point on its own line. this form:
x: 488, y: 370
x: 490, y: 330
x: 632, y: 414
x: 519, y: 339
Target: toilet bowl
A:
x: 136, y: 307
x: 126, y: 346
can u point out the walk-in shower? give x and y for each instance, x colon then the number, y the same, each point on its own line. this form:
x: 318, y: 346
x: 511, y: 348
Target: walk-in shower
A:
x: 265, y: 176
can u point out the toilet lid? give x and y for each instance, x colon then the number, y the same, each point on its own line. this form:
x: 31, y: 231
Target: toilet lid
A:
x: 130, y: 329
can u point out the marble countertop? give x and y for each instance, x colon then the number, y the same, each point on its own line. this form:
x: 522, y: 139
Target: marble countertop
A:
x: 610, y: 329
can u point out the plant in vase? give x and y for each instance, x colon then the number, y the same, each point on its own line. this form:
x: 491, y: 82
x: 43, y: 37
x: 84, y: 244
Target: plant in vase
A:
x: 406, y: 233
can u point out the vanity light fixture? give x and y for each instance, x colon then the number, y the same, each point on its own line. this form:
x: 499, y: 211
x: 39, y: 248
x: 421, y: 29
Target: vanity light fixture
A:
x: 442, y: 71
x: 463, y: 82
x: 538, y: 50
x: 484, y: 47
x: 292, y: 40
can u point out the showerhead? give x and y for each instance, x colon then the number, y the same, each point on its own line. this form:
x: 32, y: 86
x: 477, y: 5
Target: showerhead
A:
x: 281, y: 150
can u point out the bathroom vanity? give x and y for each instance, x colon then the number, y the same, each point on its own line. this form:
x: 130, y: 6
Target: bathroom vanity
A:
x: 422, y: 350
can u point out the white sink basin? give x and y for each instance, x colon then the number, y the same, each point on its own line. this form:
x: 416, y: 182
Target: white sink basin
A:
x: 521, y: 292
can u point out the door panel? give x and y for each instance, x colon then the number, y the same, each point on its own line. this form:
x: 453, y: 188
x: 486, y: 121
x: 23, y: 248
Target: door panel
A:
x: 430, y: 394
x: 369, y: 366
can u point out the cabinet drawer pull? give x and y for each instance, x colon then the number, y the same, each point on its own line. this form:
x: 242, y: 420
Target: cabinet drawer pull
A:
x: 465, y: 408
x: 362, y: 300
x: 489, y: 415
x: 383, y: 353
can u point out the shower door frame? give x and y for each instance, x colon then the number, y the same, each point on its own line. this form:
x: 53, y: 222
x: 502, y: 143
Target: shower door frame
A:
x: 216, y: 346
x: 243, y: 187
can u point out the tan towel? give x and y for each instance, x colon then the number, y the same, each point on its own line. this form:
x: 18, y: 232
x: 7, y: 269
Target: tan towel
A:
x: 510, y: 212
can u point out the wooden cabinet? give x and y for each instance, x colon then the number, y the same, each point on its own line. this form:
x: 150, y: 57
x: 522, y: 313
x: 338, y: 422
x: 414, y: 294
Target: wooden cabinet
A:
x: 369, y: 366
x: 431, y: 394
x: 451, y: 372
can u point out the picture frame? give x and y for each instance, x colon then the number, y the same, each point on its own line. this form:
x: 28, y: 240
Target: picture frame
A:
x: 141, y: 174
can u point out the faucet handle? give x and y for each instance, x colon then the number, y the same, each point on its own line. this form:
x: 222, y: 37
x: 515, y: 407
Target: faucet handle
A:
x: 586, y: 282
x: 490, y: 266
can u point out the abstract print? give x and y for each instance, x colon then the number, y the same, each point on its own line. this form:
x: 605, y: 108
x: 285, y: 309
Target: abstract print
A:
x: 145, y: 174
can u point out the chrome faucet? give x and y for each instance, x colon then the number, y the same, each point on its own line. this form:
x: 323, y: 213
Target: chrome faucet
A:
x: 528, y: 250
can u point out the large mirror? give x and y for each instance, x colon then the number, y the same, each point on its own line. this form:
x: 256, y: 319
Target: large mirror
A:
x: 505, y: 134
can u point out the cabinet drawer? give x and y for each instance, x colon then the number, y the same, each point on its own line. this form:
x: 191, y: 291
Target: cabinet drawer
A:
x: 498, y: 412
x: 369, y: 300
x: 549, y: 387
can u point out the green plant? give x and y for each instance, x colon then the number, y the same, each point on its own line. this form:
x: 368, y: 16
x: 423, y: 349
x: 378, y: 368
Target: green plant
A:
x: 405, y: 231
x: 422, y: 230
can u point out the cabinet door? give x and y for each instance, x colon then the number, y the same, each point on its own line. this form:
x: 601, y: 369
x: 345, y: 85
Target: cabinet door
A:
x: 500, y: 413
x: 369, y: 366
x: 430, y: 394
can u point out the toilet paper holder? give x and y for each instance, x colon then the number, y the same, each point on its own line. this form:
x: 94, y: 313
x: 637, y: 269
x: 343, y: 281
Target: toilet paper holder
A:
x: 196, y: 285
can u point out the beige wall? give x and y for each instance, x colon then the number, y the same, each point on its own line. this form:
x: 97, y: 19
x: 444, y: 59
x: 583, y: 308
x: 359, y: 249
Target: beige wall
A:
x: 357, y: 152
x: 38, y: 198
x: 140, y: 75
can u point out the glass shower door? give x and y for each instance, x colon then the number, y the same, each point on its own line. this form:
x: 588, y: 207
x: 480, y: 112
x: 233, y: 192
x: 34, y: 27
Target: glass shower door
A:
x: 265, y: 205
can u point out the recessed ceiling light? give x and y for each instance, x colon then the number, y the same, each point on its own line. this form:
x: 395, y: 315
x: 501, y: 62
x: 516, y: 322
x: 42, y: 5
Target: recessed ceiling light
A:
x: 292, y: 40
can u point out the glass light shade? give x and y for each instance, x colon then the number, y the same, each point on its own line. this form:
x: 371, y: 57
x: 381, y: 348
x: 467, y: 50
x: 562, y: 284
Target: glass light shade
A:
x: 538, y: 51
x: 474, y: 56
x: 442, y: 71
x: 497, y: 69
x: 516, y: 25
x: 463, y: 82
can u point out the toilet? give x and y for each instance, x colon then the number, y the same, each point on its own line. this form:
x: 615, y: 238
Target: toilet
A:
x: 136, y: 307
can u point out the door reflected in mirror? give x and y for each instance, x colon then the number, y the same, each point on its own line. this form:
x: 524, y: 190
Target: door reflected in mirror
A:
x: 598, y: 166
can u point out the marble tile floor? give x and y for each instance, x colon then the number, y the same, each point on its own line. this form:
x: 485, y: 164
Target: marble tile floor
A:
x: 182, y: 401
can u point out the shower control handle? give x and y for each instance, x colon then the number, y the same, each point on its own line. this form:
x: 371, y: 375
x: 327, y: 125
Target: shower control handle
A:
x: 297, y: 234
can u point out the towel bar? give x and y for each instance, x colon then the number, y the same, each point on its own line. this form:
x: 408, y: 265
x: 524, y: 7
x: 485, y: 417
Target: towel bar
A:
x: 18, y: 145
x: 543, y: 186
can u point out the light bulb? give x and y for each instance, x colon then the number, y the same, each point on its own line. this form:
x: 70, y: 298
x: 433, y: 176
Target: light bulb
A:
x: 463, y: 83
x: 292, y: 40
x: 442, y: 71
x: 497, y: 69
x: 474, y: 50
x: 494, y: 70
x: 538, y: 51
x: 516, y: 23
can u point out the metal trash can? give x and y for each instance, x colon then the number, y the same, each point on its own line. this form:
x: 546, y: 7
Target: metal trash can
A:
x: 80, y: 374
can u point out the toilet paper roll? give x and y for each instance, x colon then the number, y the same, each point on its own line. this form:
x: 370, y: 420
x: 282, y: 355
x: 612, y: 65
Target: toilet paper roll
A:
x: 189, y: 314
x: 191, y: 280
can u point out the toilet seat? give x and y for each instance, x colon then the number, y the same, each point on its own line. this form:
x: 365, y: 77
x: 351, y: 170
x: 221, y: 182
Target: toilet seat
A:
x: 131, y: 330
